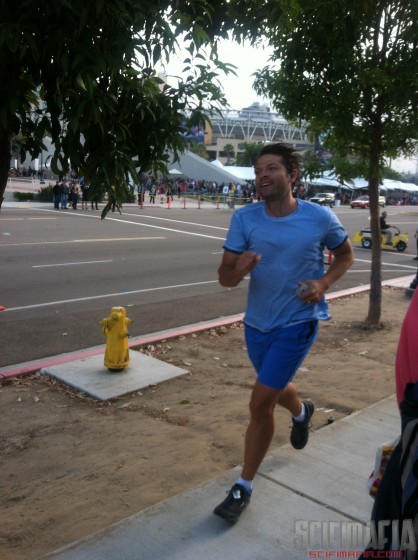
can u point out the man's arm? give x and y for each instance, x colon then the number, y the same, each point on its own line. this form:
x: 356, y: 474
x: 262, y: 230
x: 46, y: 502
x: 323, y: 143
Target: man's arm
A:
x: 343, y: 258
x: 234, y: 267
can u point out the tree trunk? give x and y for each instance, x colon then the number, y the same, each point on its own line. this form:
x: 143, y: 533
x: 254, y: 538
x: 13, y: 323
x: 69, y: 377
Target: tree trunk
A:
x: 5, y: 155
x: 375, y: 297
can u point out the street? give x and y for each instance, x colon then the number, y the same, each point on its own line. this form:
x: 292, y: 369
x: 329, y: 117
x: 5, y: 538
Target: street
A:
x: 62, y: 271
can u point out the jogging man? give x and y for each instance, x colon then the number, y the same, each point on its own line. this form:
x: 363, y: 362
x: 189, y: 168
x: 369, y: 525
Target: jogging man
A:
x: 279, y: 242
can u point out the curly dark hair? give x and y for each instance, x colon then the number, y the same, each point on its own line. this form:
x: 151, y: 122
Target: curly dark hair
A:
x: 290, y: 157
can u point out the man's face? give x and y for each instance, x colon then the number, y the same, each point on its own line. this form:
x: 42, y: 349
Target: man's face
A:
x: 272, y: 179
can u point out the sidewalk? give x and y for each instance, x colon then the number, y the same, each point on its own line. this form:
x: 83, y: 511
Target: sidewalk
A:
x: 303, y: 506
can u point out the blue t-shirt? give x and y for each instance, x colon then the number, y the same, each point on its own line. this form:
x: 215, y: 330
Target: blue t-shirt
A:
x: 291, y: 250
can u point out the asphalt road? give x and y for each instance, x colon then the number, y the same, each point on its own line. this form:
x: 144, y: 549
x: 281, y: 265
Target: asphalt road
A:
x: 62, y: 271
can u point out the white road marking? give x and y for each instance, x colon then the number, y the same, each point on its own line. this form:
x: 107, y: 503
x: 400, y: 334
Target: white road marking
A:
x: 177, y: 221
x: 103, y: 296
x: 143, y: 225
x: 81, y: 241
x: 389, y: 264
x: 69, y: 264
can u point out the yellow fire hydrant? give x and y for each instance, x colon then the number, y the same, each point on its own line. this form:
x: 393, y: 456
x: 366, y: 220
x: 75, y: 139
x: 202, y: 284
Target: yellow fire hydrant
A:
x: 115, y: 327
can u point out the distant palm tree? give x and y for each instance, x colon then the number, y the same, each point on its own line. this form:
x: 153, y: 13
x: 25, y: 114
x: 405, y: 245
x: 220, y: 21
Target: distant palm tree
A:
x: 249, y: 154
x: 229, y: 152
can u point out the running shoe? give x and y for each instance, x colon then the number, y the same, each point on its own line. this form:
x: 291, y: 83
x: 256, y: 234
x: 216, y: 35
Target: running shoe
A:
x: 234, y: 504
x: 300, y: 430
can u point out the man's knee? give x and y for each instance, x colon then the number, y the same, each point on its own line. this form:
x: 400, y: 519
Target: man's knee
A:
x: 262, y: 406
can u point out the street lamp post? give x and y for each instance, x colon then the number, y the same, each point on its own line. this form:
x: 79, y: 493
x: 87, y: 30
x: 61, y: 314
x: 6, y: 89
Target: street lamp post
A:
x: 41, y: 172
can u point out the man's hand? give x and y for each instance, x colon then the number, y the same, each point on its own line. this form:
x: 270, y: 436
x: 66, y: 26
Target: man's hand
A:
x: 234, y: 267
x: 315, y: 291
x: 343, y: 258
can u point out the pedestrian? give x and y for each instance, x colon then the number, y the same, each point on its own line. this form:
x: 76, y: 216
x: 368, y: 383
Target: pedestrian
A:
x: 169, y: 193
x: 74, y: 195
x: 56, y: 195
x: 152, y: 193
x: 85, y: 186
x: 141, y: 194
x: 160, y: 193
x: 416, y: 240
x: 64, y: 195
x: 279, y: 242
x: 94, y: 201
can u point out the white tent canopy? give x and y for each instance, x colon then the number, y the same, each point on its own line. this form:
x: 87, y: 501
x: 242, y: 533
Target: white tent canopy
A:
x: 328, y: 180
x: 324, y: 182
x: 392, y: 185
x: 243, y: 173
x: 194, y: 167
x: 358, y: 183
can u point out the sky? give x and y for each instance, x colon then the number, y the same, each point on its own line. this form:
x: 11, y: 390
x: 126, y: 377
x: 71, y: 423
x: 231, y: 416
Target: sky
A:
x: 406, y: 165
x: 238, y: 89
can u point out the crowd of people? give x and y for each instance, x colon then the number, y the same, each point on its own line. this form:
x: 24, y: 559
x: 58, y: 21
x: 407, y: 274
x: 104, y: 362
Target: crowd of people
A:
x: 67, y: 195
x: 28, y: 172
x: 162, y: 190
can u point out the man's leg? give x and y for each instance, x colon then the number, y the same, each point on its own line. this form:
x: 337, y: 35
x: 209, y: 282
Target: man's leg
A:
x: 288, y: 399
x: 257, y: 441
x: 276, y: 366
x: 260, y: 429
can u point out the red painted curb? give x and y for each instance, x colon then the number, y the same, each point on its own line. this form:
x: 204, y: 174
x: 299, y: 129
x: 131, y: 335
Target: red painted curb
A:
x: 36, y: 365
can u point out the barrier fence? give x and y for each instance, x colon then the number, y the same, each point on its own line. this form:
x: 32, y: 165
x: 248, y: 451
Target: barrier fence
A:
x: 197, y: 200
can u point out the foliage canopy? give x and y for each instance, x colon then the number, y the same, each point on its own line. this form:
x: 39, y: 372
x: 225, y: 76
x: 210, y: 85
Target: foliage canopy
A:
x: 84, y: 74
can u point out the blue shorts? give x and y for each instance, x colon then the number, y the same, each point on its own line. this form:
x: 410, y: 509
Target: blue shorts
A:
x: 277, y: 355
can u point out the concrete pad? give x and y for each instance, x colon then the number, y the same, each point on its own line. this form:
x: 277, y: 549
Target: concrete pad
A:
x: 92, y: 377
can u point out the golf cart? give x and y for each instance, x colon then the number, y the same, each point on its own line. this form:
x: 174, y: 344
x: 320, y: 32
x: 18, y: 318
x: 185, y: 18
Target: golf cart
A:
x: 399, y: 240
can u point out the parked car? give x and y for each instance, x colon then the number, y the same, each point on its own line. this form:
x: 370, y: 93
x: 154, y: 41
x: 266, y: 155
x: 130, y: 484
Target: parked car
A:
x: 363, y: 202
x: 323, y: 198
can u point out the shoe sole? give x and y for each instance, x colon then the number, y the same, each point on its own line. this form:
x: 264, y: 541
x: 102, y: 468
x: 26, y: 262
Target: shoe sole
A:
x: 224, y: 515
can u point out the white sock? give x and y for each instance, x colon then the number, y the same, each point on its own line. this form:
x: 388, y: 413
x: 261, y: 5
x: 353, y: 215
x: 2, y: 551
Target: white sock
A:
x: 301, y: 417
x: 247, y: 484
